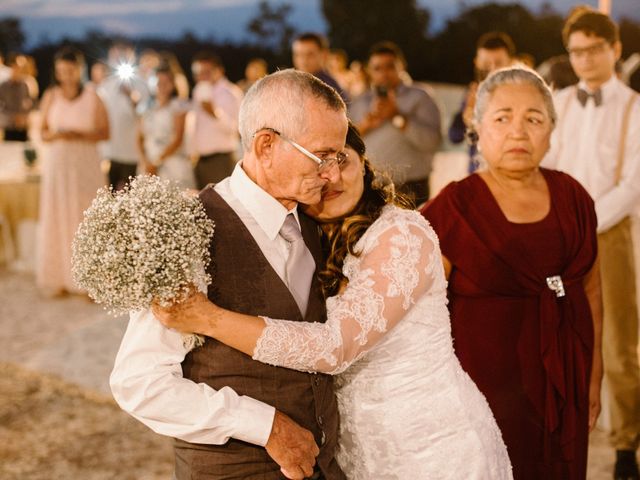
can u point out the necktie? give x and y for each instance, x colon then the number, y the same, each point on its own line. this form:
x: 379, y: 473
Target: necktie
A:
x: 583, y: 96
x: 300, y: 265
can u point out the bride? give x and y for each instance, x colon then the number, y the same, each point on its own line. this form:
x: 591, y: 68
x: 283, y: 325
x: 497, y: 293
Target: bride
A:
x: 407, y: 409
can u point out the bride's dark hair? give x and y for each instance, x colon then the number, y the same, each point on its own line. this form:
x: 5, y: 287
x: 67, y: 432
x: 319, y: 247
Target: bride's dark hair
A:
x: 341, y: 236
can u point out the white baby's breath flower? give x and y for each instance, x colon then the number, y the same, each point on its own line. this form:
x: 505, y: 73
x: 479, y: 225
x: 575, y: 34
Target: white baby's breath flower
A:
x: 147, y: 242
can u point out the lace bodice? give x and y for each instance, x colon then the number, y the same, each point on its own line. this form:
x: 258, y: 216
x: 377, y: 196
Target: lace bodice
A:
x: 399, y: 262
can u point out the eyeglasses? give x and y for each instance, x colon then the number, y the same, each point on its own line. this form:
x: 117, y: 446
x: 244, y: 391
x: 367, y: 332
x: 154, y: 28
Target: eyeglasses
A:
x: 325, y: 163
x: 590, y: 51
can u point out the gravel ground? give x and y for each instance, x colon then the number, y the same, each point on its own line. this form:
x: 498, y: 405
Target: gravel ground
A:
x: 57, y: 419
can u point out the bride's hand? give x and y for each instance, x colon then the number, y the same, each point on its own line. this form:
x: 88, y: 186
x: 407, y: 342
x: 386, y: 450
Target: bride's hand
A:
x: 196, y: 314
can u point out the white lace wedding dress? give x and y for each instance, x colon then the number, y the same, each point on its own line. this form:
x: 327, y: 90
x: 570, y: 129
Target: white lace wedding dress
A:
x: 407, y: 409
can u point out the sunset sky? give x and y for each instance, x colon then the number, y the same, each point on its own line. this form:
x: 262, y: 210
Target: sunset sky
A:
x: 220, y: 19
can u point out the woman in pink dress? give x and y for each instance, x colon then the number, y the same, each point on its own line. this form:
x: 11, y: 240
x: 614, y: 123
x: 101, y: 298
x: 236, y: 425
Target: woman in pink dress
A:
x: 74, y: 120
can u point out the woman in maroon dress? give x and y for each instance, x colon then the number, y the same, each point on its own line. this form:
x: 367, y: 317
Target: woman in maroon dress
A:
x: 519, y: 246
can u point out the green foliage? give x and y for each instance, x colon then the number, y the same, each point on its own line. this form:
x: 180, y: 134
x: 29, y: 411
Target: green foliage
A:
x: 11, y: 35
x: 355, y: 25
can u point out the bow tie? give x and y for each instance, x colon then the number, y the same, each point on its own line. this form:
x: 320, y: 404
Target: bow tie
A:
x: 583, y: 96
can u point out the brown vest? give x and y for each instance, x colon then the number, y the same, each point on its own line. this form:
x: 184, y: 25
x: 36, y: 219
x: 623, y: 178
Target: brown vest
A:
x: 244, y: 281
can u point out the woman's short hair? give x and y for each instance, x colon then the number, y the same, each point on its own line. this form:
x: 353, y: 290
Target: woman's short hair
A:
x: 279, y: 101
x: 516, y: 75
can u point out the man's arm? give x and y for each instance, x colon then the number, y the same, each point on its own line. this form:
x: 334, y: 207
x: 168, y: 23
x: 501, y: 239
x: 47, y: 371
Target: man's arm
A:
x: 423, y: 127
x: 147, y: 383
x: 623, y: 199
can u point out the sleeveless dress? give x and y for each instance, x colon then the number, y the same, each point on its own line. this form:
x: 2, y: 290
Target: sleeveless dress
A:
x: 71, y: 176
x: 158, y: 129
x: 407, y: 409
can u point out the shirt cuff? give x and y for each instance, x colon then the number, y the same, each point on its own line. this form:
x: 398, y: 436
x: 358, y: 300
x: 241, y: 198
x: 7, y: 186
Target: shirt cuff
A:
x: 253, y: 421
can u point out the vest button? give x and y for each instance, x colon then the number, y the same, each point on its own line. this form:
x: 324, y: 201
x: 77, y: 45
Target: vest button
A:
x: 316, y: 380
x: 320, y: 420
x: 323, y: 439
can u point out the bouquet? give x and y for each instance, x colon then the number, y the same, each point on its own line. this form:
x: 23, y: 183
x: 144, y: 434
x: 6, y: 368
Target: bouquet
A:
x: 148, y: 242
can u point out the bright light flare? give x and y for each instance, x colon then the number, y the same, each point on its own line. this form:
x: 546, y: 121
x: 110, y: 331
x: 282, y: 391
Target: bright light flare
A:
x: 125, y: 71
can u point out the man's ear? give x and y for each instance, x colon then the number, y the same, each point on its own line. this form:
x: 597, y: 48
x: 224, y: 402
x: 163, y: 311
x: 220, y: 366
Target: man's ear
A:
x: 617, y: 49
x: 263, y: 146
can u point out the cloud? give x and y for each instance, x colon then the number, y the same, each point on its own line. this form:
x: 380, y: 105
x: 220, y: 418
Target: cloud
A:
x: 96, y: 8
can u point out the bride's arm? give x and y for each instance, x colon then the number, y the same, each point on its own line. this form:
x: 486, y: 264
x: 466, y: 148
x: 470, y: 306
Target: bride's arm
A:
x: 398, y: 265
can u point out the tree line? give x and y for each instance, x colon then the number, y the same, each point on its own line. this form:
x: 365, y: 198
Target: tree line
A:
x: 353, y: 25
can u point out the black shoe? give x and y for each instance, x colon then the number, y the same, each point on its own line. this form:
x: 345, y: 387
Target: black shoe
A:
x: 626, y: 466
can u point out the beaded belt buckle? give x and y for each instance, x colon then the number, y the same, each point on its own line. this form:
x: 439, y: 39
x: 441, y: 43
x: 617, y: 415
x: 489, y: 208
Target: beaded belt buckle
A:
x: 555, y: 283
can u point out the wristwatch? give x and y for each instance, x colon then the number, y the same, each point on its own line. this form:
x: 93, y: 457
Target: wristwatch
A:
x: 399, y: 121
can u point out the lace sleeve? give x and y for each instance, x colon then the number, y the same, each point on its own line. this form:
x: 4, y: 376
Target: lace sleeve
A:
x: 397, y: 266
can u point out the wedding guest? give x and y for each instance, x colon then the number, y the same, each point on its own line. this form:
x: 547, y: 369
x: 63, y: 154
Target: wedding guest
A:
x: 216, y: 103
x: 337, y: 65
x: 15, y: 103
x: 560, y: 73
x: 310, y: 51
x: 386, y: 319
x: 98, y: 73
x: 494, y: 50
x: 520, y: 252
x: 125, y: 94
x: 29, y: 72
x: 360, y: 83
x: 400, y: 122
x: 254, y: 71
x: 74, y: 119
x: 169, y: 60
x: 598, y: 142
x: 161, y: 133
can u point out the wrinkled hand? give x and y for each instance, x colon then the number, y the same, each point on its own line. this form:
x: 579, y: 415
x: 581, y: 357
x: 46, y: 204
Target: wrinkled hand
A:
x: 292, y: 447
x: 195, y: 314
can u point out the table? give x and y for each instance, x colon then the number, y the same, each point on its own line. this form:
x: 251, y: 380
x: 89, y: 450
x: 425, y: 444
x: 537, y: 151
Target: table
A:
x: 19, y: 199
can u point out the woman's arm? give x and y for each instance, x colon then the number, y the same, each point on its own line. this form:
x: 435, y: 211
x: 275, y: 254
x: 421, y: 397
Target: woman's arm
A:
x: 593, y: 291
x: 45, y: 133
x: 395, y: 269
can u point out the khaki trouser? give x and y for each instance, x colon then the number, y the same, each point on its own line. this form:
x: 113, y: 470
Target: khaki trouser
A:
x: 620, y: 334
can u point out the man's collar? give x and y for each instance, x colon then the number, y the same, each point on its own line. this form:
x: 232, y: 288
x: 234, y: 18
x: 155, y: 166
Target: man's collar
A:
x: 268, y: 213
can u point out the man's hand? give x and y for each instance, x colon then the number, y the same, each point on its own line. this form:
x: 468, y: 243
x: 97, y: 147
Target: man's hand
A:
x: 193, y: 315
x: 292, y: 447
x: 385, y: 108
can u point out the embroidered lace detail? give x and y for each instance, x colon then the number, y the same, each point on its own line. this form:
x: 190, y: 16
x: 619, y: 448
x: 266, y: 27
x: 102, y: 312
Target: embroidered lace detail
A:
x: 394, y: 269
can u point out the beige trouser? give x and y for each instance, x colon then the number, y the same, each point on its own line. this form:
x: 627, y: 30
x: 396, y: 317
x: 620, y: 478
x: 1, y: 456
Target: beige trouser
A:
x: 620, y: 334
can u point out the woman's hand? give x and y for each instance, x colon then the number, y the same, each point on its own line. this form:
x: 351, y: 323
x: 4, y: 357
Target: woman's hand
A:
x: 595, y: 389
x: 196, y: 314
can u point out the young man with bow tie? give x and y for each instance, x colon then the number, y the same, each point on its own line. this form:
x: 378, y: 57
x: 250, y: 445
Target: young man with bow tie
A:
x: 597, y: 141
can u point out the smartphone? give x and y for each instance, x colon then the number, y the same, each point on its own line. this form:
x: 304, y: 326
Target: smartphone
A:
x: 381, y: 91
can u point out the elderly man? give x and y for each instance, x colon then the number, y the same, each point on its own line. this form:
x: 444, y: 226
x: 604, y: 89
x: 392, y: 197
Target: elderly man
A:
x: 400, y: 123
x: 237, y: 418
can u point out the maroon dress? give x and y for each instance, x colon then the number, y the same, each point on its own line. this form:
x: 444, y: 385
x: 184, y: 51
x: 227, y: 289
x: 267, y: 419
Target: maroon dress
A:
x: 528, y: 349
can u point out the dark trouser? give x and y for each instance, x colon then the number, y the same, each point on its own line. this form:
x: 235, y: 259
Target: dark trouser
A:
x: 119, y: 173
x: 213, y: 168
x: 416, y: 190
x: 13, y: 135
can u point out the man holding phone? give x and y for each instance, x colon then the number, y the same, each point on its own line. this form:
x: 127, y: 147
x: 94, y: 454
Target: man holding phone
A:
x: 216, y: 104
x: 400, y: 123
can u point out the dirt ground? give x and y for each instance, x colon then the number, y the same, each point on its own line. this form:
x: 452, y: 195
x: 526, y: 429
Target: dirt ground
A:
x: 57, y: 418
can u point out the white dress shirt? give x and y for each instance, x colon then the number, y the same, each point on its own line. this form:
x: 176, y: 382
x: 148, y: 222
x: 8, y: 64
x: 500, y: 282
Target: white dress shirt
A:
x: 585, y: 144
x: 217, y: 134
x: 123, y: 118
x: 147, y: 380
